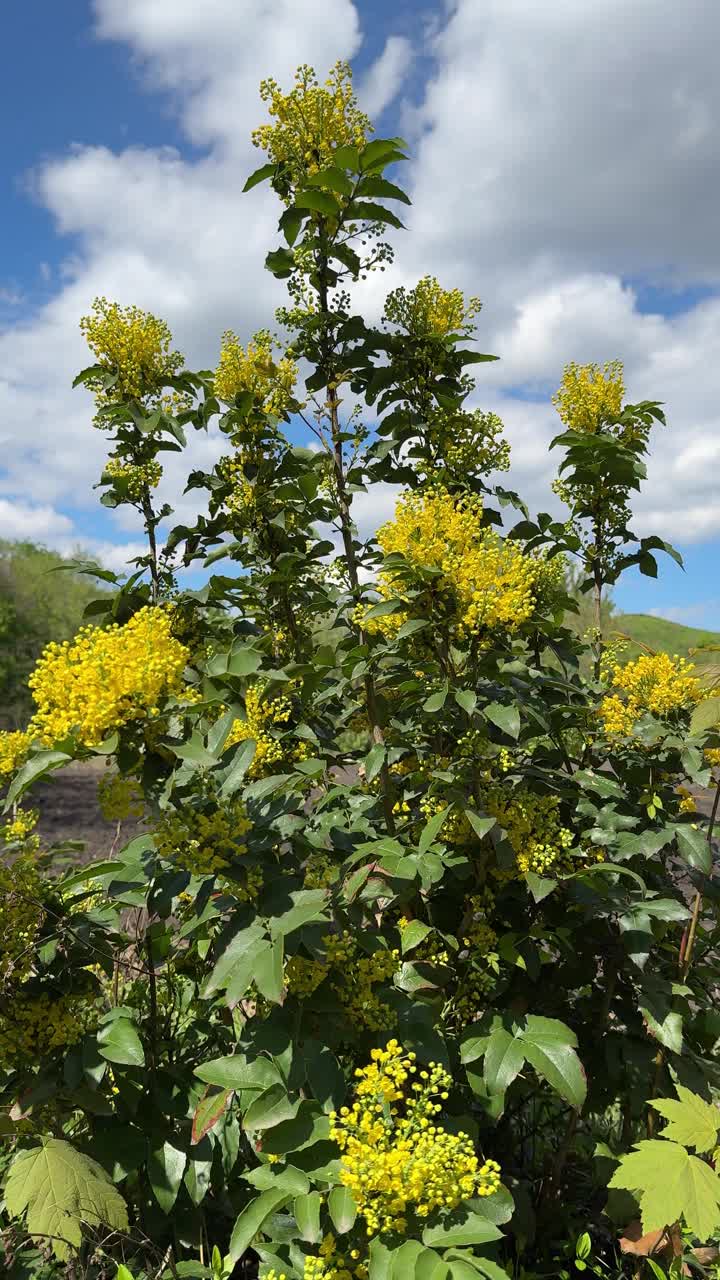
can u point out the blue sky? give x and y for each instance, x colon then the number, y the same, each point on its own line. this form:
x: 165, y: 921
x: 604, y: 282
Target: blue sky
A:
x: 121, y: 114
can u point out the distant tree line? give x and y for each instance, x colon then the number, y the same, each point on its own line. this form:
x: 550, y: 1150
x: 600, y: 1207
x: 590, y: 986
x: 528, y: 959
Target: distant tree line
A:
x: 38, y: 604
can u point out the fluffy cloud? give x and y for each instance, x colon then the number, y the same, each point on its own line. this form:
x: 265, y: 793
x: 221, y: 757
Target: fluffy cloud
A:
x: 559, y: 150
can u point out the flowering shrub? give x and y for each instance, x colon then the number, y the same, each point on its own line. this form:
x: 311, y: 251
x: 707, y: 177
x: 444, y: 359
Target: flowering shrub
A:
x: 398, y: 965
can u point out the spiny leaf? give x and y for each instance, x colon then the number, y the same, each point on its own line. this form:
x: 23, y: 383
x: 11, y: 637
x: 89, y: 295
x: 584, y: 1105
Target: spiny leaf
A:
x: 60, y: 1188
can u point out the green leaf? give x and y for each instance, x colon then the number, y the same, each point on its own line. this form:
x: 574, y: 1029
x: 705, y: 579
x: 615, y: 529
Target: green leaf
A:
x: 671, y: 1184
x: 306, y: 1210
x: 693, y: 847
x: 268, y: 972
x: 369, y: 211
x: 374, y: 185
x: 342, y: 1209
x: 379, y: 150
x: 413, y: 934
x: 432, y: 829
x: 460, y: 1228
x: 242, y: 760
x: 237, y: 962
x: 436, y: 701
x: 319, y: 201
x: 480, y: 826
x: 166, y: 1166
x: 692, y: 1121
x: 118, y: 1041
x: 270, y: 1108
x: 40, y: 764
x: 549, y: 1046
x: 244, y: 661
x: 706, y: 715
x: 374, y: 761
x: 504, y: 1058
x: 250, y: 1222
x: 332, y: 179
x: 208, y: 1111
x: 60, y: 1189
x: 506, y: 718
x: 265, y: 171
x: 325, y: 1077
x: 466, y: 699
x: 308, y: 905
x: 235, y: 1072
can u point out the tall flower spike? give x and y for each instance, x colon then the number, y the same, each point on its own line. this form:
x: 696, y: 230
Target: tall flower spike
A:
x: 132, y: 345
x: 311, y: 121
x: 588, y: 394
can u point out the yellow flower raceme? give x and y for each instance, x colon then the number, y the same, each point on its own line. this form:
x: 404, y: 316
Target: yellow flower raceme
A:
x: 23, y: 894
x: 271, y: 383
x: 120, y: 798
x: 396, y: 1157
x: 137, y: 476
x: 20, y: 828
x: 38, y: 1025
x: 303, y: 976
x: 331, y: 1264
x: 14, y: 747
x: 354, y: 977
x: 712, y: 755
x: 262, y: 717
x: 534, y: 828
x: 106, y: 678
x: 466, y: 441
x: 654, y: 683
x: 311, y: 121
x: 429, y: 311
x: 132, y: 344
x: 207, y: 841
x: 589, y: 394
x: 485, y: 583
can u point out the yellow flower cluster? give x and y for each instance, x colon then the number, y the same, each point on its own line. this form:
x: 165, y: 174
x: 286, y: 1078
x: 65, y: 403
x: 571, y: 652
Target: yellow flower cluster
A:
x: 466, y: 442
x: 485, y: 582
x: 22, y: 912
x: 13, y: 750
x: 105, y: 678
x: 534, y: 828
x: 240, y: 501
x: 20, y: 827
x: 588, y: 395
x: 208, y: 842
x: 40, y: 1024
x: 396, y: 1158
x: 262, y: 717
x: 456, y: 829
x: 303, y: 976
x: 311, y: 121
x: 330, y: 1264
x: 132, y: 344
x: 120, y: 798
x: 137, y: 476
x: 654, y: 683
x: 429, y: 311
x: 687, y: 801
x: 712, y: 755
x: 319, y: 872
x: 355, y: 976
x: 271, y: 383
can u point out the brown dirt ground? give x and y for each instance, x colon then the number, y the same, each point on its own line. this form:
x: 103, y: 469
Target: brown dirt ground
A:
x: 69, y: 810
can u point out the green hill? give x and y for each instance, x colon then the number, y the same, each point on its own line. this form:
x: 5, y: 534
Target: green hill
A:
x: 664, y: 636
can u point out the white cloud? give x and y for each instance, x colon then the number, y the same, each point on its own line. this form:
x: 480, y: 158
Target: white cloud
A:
x: 384, y: 80
x: 553, y: 157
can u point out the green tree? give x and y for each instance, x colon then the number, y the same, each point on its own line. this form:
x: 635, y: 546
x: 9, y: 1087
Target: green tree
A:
x: 38, y: 604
